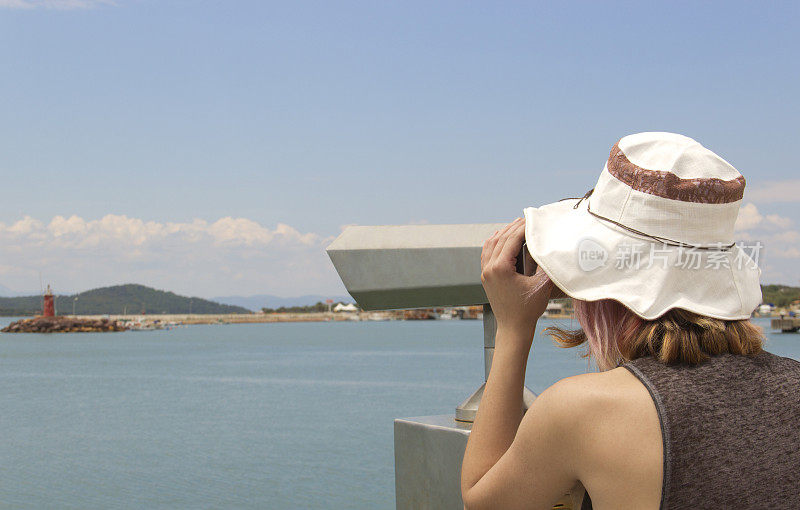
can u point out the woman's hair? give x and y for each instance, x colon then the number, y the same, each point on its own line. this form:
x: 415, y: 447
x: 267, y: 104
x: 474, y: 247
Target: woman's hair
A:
x: 614, y: 334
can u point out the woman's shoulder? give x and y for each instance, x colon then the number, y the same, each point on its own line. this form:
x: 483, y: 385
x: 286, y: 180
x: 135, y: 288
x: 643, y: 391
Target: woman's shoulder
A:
x: 610, y: 425
x: 599, y: 411
x: 612, y: 390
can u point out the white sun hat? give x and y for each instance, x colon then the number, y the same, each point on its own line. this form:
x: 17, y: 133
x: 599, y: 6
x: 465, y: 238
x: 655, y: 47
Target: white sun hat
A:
x: 655, y: 233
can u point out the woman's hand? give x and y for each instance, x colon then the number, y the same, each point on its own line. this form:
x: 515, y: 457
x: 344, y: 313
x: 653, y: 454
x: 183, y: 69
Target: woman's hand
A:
x: 517, y: 300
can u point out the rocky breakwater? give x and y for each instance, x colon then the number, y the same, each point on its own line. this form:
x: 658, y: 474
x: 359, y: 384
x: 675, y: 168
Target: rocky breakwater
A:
x: 62, y: 325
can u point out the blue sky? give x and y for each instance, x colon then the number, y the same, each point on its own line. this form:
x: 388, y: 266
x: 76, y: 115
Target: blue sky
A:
x: 256, y: 130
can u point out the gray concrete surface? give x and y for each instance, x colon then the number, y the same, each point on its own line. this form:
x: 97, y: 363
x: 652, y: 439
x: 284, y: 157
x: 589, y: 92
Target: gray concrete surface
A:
x: 428, y: 451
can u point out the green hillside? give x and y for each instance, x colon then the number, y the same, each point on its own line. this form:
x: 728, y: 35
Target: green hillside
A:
x: 130, y: 298
x: 22, y: 305
x: 780, y: 295
x: 136, y: 299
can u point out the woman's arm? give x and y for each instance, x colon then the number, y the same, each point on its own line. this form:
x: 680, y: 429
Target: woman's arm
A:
x: 502, y: 457
x: 500, y: 411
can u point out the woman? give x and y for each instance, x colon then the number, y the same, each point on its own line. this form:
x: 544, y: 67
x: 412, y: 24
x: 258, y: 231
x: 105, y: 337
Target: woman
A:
x: 687, y: 410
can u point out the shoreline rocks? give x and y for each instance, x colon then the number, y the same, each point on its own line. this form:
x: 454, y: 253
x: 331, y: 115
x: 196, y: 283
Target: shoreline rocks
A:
x: 62, y: 325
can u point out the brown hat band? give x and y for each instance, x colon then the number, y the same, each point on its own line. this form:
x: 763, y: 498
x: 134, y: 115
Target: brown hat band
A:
x: 668, y: 185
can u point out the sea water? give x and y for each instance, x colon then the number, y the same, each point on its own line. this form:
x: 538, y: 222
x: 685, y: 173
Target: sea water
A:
x: 287, y: 415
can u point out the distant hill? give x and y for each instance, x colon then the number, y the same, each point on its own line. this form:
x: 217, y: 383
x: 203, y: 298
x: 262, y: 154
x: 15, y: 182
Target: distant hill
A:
x: 779, y: 295
x: 130, y: 298
x: 259, y: 301
x: 5, y: 291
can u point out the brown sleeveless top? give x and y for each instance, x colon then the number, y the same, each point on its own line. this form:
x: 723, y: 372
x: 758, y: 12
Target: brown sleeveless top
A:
x: 730, y: 429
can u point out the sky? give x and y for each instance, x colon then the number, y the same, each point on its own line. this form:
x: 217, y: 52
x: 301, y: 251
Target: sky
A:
x: 216, y: 147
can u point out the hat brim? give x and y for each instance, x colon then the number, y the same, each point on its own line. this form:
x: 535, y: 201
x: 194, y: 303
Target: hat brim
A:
x: 645, y: 275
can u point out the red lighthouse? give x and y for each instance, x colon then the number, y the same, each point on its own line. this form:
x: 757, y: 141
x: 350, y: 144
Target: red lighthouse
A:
x: 48, y: 303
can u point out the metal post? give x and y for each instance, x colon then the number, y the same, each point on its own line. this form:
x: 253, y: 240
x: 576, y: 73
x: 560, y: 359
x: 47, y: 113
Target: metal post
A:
x: 489, y: 332
x: 467, y: 410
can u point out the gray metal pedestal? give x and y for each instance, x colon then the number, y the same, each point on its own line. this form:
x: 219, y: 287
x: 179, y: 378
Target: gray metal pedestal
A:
x: 428, y: 451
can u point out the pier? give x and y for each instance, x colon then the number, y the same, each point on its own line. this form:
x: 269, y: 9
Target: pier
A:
x: 786, y: 325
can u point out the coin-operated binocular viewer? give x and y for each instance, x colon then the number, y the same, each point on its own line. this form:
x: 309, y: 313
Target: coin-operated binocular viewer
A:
x: 423, y: 266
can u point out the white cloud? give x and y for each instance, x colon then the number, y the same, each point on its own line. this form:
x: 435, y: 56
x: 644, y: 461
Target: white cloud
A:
x: 788, y: 236
x: 779, y: 221
x: 779, y: 242
x: 76, y: 233
x: 787, y: 253
x: 53, y: 4
x: 226, y: 256
x: 748, y: 218
x: 14, y: 4
x: 775, y: 191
